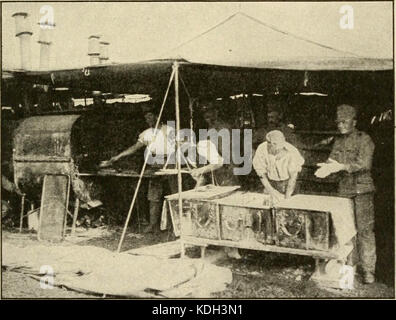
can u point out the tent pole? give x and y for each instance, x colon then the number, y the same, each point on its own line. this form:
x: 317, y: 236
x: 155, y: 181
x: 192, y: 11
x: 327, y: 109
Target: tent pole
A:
x: 144, y: 167
x: 178, y: 161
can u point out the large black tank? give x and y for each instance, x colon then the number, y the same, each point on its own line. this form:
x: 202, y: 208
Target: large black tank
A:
x: 71, y: 144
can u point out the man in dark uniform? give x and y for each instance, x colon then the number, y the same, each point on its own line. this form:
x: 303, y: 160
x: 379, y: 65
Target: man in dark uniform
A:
x: 225, y: 175
x: 351, y: 157
x: 275, y: 121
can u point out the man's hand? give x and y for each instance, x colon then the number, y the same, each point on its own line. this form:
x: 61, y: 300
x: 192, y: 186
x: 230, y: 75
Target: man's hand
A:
x: 197, y: 172
x: 335, y: 166
x: 18, y: 192
x: 277, y: 196
x: 107, y: 163
x: 325, y: 169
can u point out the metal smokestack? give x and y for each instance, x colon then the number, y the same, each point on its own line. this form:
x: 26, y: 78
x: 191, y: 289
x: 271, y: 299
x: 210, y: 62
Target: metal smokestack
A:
x: 45, y: 44
x: 93, y: 49
x: 104, y: 51
x: 22, y: 31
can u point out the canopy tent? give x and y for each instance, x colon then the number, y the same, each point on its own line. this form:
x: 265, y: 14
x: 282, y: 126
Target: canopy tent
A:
x: 151, y: 77
x: 244, y: 41
x: 225, y: 61
x: 240, y: 54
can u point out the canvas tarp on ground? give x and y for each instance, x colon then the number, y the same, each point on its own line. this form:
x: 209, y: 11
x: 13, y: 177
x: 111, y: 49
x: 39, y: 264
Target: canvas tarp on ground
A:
x: 97, y: 270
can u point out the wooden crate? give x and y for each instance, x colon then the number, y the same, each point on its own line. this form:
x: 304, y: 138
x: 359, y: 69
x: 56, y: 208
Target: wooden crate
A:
x: 233, y: 221
x: 264, y: 226
x: 199, y: 219
x: 239, y: 223
x: 302, y: 229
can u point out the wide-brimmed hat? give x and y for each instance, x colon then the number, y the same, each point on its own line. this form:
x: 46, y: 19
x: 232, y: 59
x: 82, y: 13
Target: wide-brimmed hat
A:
x: 346, y: 112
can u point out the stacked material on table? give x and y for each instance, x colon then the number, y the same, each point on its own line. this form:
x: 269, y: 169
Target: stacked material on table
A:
x: 246, y: 200
x: 209, y: 191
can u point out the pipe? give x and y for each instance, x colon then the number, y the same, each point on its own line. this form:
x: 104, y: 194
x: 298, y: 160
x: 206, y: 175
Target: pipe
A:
x: 93, y: 49
x: 22, y: 31
x: 104, y: 51
x: 45, y: 44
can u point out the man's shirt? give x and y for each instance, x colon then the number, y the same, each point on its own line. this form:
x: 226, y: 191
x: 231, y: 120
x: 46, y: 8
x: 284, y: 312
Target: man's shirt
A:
x: 356, y: 151
x: 201, y: 154
x: 160, y: 142
x: 277, y: 167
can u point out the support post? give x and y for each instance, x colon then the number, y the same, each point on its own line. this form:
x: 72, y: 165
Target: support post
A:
x: 178, y: 151
x: 143, y: 168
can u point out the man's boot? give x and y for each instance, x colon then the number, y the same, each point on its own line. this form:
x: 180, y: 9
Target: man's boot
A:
x: 368, y: 277
x: 155, y: 211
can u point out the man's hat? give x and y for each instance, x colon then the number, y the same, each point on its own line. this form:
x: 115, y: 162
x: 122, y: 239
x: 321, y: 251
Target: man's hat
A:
x: 275, y: 136
x: 345, y: 112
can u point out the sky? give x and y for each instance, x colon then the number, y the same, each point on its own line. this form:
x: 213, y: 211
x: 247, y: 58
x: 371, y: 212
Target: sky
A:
x: 142, y: 31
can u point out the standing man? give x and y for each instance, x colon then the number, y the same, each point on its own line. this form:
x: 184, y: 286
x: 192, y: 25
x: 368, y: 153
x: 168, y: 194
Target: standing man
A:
x: 278, y: 164
x: 225, y: 175
x: 351, y: 157
x: 160, y: 143
x: 275, y: 121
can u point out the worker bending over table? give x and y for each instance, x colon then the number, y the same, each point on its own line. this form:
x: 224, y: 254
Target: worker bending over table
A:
x: 351, y: 159
x: 203, y: 158
x: 278, y: 164
x: 161, y: 144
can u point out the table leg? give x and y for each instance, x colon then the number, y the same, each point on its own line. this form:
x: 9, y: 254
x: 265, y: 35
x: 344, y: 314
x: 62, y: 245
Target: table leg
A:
x: 183, y: 249
x: 75, y: 214
x: 203, y: 250
x: 22, y: 212
x: 317, y: 265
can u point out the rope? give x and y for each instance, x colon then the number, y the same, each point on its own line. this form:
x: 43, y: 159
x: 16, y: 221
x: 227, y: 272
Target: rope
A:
x: 295, y: 36
x: 144, y: 166
x: 190, y: 103
x: 203, y: 33
x: 267, y: 26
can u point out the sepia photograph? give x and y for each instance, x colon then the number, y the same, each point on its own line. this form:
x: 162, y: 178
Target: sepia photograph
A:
x: 197, y: 150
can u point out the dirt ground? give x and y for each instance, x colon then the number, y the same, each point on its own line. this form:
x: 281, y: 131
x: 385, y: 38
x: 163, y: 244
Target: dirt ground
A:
x: 256, y: 275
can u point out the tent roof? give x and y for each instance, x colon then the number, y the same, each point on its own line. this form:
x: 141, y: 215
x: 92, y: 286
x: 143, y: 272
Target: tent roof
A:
x: 244, y: 41
x: 241, y: 54
x: 152, y: 77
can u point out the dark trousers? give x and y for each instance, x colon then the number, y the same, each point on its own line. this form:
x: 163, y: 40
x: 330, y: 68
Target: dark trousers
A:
x: 155, y: 193
x: 365, y: 250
